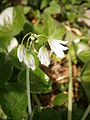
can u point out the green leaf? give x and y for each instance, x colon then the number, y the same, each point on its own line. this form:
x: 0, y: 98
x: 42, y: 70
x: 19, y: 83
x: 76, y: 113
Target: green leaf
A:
x: 6, y: 68
x: 11, y: 21
x: 39, y: 81
x: 85, y: 79
x: 60, y: 99
x: 4, y: 42
x: 84, y: 56
x: 28, y: 27
x: 44, y: 3
x: 46, y: 114
x: 13, y: 101
x: 50, y: 28
x: 53, y: 9
x: 26, y: 9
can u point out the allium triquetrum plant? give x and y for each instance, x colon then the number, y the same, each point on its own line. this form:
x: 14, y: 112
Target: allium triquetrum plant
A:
x: 24, y: 53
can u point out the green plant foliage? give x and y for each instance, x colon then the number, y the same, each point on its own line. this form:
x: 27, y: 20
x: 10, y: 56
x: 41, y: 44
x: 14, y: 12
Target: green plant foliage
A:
x: 9, y: 21
x: 6, y: 68
x: 46, y: 114
x: 85, y: 79
x: 84, y: 56
x: 46, y: 20
x: 53, y: 9
x: 51, y: 28
x: 77, y: 112
x: 4, y: 42
x: 60, y: 99
x: 13, y: 101
x: 39, y: 81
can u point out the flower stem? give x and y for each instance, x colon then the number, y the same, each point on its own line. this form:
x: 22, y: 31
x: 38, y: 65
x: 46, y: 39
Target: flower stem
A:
x: 25, y: 37
x: 28, y: 93
x: 70, y: 87
x: 86, y: 113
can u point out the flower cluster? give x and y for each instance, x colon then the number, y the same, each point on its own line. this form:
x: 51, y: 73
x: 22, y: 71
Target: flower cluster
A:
x: 24, y: 54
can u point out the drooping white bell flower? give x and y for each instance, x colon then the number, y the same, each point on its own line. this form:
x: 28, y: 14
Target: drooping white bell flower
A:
x: 43, y: 56
x: 29, y: 61
x: 57, y: 47
x: 20, y: 52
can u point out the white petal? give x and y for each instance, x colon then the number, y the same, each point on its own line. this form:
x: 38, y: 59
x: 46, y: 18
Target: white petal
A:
x: 20, y: 52
x: 58, y: 45
x: 26, y: 61
x: 29, y: 61
x: 12, y: 44
x: 61, y: 41
x: 57, y: 48
x: 43, y: 56
x: 59, y: 52
x: 32, y: 62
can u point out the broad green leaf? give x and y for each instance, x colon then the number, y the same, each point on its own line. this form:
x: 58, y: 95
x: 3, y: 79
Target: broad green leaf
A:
x: 4, y: 42
x: 60, y: 99
x: 39, y: 81
x: 6, y: 68
x: 53, y: 9
x: 51, y: 29
x: 13, y: 101
x: 26, y: 9
x: 11, y: 21
x: 82, y: 47
x: 44, y: 3
x: 85, y: 79
x: 84, y: 56
x: 46, y: 114
x: 28, y: 27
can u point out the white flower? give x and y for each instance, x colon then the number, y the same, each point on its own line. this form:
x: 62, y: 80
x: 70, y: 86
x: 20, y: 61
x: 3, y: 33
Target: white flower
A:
x: 20, y: 52
x: 57, y: 47
x: 43, y: 56
x: 29, y: 61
